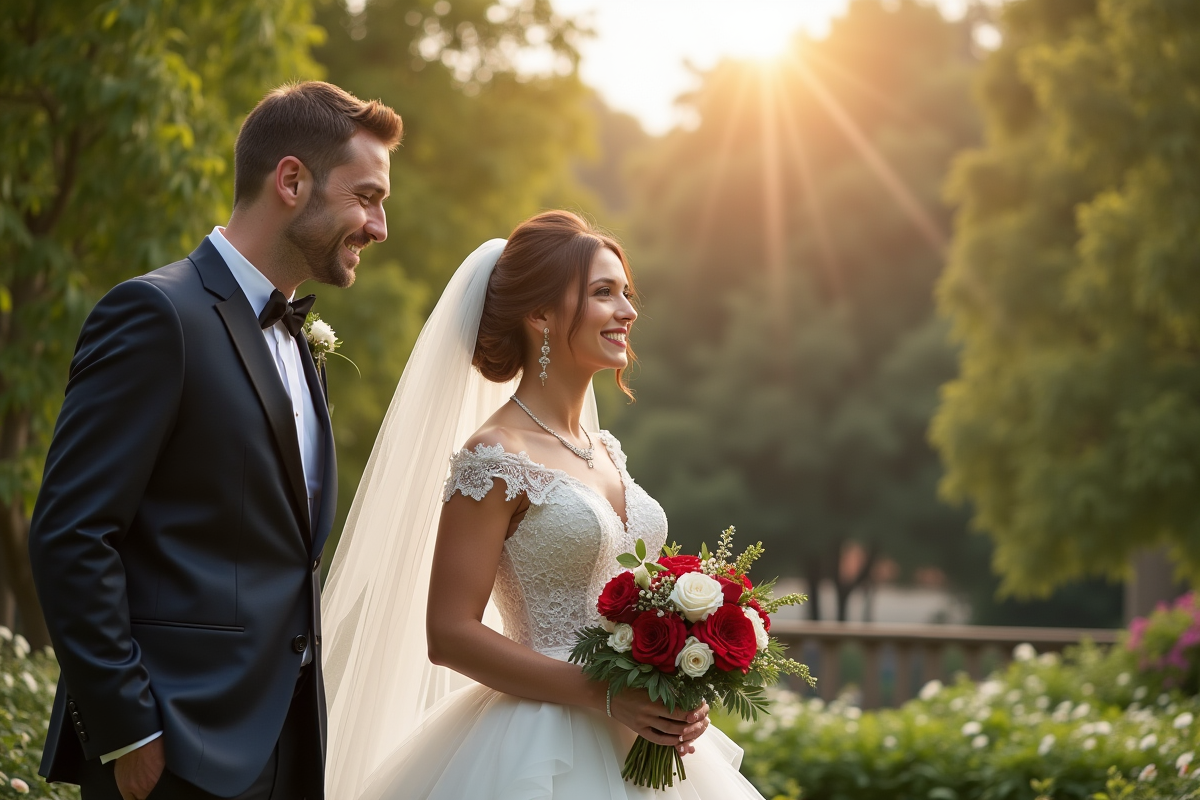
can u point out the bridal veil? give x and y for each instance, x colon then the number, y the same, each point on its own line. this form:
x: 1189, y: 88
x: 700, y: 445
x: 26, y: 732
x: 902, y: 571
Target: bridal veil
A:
x: 379, y: 680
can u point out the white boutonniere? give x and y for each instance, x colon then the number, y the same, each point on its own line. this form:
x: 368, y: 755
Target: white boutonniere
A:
x: 322, y: 340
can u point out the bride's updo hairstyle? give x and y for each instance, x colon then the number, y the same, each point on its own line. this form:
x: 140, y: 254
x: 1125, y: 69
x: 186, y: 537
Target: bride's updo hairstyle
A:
x: 546, y: 258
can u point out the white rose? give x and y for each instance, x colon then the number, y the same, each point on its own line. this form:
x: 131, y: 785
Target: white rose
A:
x: 622, y: 638
x: 695, y: 658
x: 322, y: 334
x: 697, y: 595
x: 641, y: 576
x: 760, y: 630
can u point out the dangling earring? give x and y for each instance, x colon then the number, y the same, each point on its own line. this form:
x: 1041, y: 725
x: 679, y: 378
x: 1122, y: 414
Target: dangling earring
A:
x: 545, y: 359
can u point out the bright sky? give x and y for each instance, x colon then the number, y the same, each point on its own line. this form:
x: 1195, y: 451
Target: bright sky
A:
x: 637, y: 60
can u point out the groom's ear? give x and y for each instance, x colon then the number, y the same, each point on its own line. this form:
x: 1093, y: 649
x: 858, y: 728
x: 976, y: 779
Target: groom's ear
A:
x: 293, y: 181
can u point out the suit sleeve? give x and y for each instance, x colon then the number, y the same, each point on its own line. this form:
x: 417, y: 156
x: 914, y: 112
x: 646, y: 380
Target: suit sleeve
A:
x: 121, y: 400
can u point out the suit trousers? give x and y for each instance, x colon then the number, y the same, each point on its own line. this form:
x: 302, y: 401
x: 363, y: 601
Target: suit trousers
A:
x: 282, y: 778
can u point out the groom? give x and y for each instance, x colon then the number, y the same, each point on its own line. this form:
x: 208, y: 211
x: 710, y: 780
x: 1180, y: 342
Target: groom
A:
x: 191, y: 482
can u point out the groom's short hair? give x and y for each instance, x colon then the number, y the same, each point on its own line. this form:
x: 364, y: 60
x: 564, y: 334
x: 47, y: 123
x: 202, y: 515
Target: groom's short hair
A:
x: 312, y: 121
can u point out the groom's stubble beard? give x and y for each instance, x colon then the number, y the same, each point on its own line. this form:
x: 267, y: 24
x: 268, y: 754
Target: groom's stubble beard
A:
x: 315, y: 241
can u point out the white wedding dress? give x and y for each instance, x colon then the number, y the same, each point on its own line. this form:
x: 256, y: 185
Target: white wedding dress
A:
x: 481, y: 744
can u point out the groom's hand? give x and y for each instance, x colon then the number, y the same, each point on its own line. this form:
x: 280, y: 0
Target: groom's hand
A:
x: 138, y: 772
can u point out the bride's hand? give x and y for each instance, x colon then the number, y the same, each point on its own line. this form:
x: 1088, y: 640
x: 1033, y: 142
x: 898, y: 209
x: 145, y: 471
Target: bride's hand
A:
x: 651, y: 720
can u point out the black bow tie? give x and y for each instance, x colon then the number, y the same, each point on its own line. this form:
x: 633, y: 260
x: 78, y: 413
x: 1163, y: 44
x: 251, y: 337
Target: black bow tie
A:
x: 292, y: 314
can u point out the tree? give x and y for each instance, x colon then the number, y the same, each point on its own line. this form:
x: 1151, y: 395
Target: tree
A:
x: 487, y: 143
x: 787, y: 248
x: 117, y: 122
x: 1074, y: 427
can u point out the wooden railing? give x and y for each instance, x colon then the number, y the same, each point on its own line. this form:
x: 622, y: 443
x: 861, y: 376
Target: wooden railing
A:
x: 889, y: 663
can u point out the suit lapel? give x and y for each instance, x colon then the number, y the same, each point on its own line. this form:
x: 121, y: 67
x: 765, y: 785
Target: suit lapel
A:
x: 329, y: 486
x: 251, y: 347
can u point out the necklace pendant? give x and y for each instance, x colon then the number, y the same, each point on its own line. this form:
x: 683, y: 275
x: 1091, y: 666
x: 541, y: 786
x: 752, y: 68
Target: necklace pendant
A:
x: 591, y: 464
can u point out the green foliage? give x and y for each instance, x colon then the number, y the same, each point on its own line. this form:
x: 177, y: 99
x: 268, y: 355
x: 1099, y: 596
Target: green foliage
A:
x: 789, y: 369
x: 27, y: 682
x: 1072, y: 287
x: 117, y: 122
x: 1059, y: 724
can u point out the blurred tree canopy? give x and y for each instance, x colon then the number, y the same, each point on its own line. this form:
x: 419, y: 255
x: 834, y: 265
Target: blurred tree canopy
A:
x: 1073, y: 287
x: 787, y: 249
x: 117, y: 122
x: 495, y: 119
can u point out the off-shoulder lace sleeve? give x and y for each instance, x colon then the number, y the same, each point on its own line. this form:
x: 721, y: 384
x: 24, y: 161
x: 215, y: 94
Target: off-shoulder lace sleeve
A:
x: 614, y: 450
x: 472, y: 472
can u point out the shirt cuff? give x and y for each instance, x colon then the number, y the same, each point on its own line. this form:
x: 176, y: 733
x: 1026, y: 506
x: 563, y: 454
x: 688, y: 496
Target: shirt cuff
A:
x: 115, y: 754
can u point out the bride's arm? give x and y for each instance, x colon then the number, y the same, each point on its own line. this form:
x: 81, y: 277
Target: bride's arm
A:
x: 470, y: 537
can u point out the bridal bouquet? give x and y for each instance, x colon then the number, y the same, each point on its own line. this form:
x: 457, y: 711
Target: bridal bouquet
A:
x: 688, y: 630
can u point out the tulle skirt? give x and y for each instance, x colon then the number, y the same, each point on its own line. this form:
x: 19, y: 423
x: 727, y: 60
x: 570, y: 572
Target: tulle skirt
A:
x: 485, y: 745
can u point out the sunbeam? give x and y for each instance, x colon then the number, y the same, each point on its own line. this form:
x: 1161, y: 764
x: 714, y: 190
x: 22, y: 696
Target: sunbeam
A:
x: 891, y: 181
x: 829, y: 260
x: 772, y: 184
x: 722, y: 165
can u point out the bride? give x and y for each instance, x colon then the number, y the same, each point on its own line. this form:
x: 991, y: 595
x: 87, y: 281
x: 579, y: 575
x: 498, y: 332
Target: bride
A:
x: 426, y: 698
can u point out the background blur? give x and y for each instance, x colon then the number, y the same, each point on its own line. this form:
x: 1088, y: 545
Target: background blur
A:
x: 918, y: 280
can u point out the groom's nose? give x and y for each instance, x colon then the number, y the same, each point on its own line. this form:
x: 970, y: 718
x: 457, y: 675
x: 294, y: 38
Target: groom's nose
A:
x: 376, y: 226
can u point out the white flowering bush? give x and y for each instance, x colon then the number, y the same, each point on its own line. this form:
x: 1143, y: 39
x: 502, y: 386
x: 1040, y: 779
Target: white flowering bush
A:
x: 27, y: 682
x: 1083, y: 727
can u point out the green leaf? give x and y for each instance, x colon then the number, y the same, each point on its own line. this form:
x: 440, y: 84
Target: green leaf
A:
x: 628, y: 560
x: 704, y: 554
x: 640, y: 549
x: 653, y: 568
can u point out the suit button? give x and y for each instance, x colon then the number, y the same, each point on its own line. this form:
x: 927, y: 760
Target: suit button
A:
x: 71, y: 706
x: 75, y: 717
x: 79, y: 726
x: 83, y: 737
x: 299, y: 643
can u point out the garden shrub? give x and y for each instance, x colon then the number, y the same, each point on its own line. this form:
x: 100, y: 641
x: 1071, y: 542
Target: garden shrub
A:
x: 1042, y: 728
x: 27, y: 682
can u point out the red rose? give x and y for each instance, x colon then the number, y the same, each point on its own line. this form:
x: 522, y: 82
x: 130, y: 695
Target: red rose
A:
x: 680, y: 565
x: 730, y: 635
x: 766, y: 620
x: 658, y: 640
x: 745, y: 579
x: 732, y: 590
x: 618, y: 599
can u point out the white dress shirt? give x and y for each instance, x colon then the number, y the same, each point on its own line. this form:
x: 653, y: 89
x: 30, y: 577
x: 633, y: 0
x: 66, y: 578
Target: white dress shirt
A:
x: 285, y: 352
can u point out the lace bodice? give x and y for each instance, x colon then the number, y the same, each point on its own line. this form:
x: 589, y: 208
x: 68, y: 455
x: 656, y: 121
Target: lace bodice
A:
x: 554, y: 565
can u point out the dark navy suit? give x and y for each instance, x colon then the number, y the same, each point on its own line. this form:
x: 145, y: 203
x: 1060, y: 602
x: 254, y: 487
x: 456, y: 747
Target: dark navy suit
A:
x: 172, y: 544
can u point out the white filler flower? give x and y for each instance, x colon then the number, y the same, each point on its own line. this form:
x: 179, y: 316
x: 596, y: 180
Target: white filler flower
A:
x: 695, y: 658
x: 1148, y: 773
x: 322, y: 334
x: 760, y: 630
x: 1024, y: 652
x: 930, y: 690
x: 697, y: 595
x: 621, y: 639
x: 1184, y: 720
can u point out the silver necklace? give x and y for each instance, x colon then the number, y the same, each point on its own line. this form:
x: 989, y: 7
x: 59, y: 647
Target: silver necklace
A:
x: 587, y: 455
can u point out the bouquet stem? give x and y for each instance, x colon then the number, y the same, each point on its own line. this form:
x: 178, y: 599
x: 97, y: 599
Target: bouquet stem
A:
x: 652, y: 765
